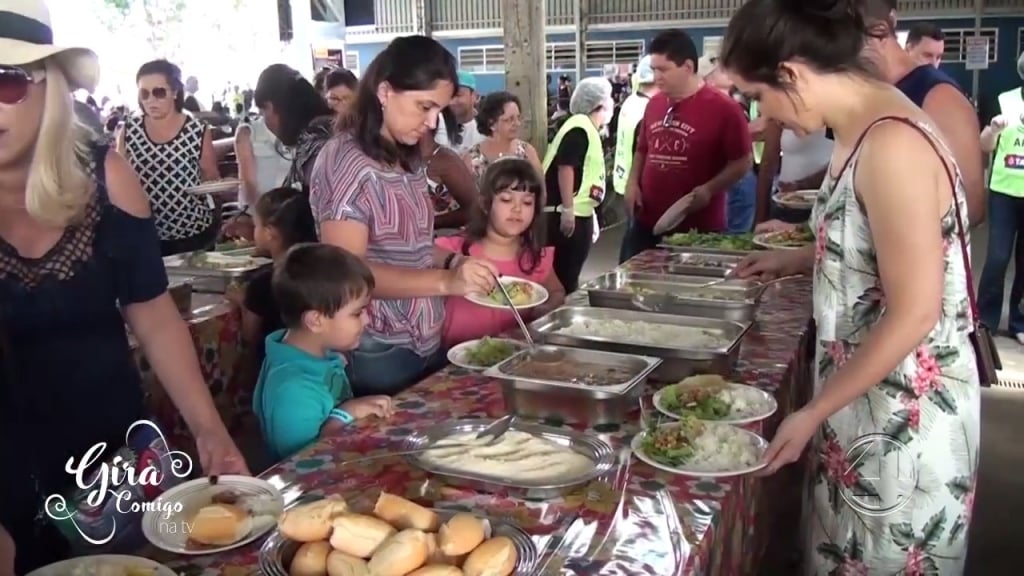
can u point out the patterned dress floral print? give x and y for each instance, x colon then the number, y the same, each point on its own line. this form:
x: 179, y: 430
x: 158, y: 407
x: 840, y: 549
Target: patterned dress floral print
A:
x: 897, y: 504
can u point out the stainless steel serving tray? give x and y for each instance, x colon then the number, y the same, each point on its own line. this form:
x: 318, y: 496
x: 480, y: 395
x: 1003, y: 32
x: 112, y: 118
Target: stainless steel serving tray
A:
x: 590, y: 446
x: 277, y: 551
x: 705, y: 250
x: 639, y: 366
x: 680, y: 360
x: 178, y: 265
x: 685, y: 296
x: 692, y: 263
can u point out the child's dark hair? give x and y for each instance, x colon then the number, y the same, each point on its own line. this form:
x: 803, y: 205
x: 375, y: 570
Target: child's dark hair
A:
x: 319, y: 278
x: 510, y: 174
x: 287, y: 211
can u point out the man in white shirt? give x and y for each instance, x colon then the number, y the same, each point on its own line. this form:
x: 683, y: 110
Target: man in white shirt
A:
x: 463, y: 105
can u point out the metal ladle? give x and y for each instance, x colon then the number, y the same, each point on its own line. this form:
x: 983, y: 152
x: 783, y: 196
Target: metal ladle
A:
x: 537, y: 355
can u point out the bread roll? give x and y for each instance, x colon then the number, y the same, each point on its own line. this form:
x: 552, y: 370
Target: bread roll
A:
x: 359, y: 535
x: 401, y: 554
x: 341, y: 564
x: 311, y: 522
x: 495, y: 557
x: 437, y: 570
x: 404, y: 514
x: 219, y: 525
x: 310, y: 559
x: 461, y: 534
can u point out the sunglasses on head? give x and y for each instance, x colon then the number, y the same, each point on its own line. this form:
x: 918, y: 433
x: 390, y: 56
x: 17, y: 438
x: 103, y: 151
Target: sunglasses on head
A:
x: 14, y: 83
x: 157, y: 93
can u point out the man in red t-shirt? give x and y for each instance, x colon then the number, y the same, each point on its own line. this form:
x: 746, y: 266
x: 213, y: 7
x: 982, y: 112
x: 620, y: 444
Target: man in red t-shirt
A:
x: 693, y: 143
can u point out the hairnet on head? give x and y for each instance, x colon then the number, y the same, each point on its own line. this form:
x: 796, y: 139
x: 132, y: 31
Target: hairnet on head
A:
x: 589, y: 94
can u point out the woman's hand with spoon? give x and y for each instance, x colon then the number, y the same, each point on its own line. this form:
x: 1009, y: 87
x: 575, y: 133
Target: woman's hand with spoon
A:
x: 471, y: 276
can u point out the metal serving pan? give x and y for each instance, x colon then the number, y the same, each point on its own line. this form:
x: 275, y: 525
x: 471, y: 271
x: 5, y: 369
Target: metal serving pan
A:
x: 277, y: 551
x: 590, y: 446
x: 679, y: 295
x: 705, y: 250
x: 178, y: 265
x: 639, y: 366
x: 680, y: 360
x: 691, y: 263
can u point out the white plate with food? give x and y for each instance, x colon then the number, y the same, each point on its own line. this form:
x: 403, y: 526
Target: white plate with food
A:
x: 690, y: 447
x: 483, y: 353
x: 104, y: 565
x: 711, y: 398
x: 211, y: 515
x: 524, y: 293
x: 215, y: 187
x: 796, y: 199
x: 785, y: 240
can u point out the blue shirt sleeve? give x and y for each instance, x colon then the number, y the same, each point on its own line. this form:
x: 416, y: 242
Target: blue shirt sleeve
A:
x: 294, y: 405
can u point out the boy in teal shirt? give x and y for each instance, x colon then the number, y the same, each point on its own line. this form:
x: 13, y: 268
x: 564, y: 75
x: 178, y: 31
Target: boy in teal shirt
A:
x: 303, y: 393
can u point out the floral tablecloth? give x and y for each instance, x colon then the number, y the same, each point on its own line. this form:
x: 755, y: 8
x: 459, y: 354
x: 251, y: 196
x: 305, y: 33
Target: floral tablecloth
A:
x: 635, y: 521
x: 215, y: 326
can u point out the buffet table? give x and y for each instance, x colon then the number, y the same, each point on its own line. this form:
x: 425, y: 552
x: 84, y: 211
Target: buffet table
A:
x: 215, y: 326
x: 634, y: 521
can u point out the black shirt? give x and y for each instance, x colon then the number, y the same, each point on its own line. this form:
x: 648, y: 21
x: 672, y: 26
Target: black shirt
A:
x: 259, y: 299
x: 572, y: 151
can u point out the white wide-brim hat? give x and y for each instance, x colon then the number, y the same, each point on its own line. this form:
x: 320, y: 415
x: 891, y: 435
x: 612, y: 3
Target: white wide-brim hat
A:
x: 26, y: 37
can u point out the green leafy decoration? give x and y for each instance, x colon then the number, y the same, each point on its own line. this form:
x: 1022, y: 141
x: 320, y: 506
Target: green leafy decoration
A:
x: 896, y: 385
x: 898, y: 427
x: 943, y: 399
x: 932, y: 530
x: 959, y: 486
x: 928, y: 566
x: 945, y: 355
x: 854, y: 550
x: 831, y: 552
x: 902, y: 534
x: 956, y: 531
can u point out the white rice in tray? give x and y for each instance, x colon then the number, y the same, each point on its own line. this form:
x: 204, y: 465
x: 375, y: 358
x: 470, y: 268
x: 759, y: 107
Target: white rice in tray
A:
x: 638, y: 332
x: 722, y: 448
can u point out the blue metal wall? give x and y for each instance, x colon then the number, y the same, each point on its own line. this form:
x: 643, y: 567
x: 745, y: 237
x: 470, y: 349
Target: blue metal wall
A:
x: 1000, y: 76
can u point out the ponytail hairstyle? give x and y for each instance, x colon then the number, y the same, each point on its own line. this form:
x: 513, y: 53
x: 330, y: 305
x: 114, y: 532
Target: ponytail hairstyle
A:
x: 287, y: 211
x: 827, y: 35
x: 294, y: 99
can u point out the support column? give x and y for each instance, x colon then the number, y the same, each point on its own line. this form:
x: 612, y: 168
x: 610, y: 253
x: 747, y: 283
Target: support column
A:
x: 581, y: 19
x: 523, y: 24
x: 425, y: 22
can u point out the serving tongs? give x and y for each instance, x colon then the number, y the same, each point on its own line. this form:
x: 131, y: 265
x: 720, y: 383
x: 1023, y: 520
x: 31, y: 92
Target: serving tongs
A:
x: 547, y: 356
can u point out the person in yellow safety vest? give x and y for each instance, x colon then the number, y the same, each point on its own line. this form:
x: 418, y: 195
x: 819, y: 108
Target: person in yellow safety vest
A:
x: 1004, y: 137
x: 630, y: 114
x: 574, y: 176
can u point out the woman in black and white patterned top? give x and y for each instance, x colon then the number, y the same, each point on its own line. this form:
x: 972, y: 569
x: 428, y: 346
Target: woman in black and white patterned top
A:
x: 171, y: 152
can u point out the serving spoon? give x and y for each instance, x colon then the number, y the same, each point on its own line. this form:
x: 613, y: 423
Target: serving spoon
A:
x: 537, y: 355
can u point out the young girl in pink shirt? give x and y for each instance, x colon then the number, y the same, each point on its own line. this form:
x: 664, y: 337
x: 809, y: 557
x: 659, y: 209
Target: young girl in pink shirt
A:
x: 503, y: 229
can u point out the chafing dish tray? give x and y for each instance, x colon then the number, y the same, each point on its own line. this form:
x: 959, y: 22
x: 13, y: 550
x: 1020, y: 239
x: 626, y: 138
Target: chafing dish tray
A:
x: 592, y: 447
x: 189, y: 265
x: 277, y: 551
x: 705, y: 250
x: 680, y: 360
x: 628, y: 371
x: 691, y: 263
x: 733, y: 300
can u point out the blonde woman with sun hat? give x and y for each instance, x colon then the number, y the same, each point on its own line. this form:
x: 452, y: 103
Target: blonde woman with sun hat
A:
x: 78, y: 248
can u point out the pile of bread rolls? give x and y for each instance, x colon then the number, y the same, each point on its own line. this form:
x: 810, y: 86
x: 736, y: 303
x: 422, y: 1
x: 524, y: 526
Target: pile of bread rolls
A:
x: 400, y: 538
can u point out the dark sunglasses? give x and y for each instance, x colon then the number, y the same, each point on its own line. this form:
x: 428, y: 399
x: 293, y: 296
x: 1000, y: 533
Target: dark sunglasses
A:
x: 14, y: 83
x: 156, y: 93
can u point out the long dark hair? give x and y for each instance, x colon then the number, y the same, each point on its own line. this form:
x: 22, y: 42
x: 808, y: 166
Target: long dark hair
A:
x: 171, y: 73
x: 451, y: 126
x: 510, y: 174
x: 829, y: 35
x: 294, y: 99
x: 408, y: 63
x: 287, y: 210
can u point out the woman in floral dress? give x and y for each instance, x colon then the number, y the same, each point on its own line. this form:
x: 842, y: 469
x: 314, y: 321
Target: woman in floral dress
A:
x: 895, y: 412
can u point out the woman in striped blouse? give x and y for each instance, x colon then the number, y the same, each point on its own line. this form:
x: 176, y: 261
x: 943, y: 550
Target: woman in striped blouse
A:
x: 369, y: 196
